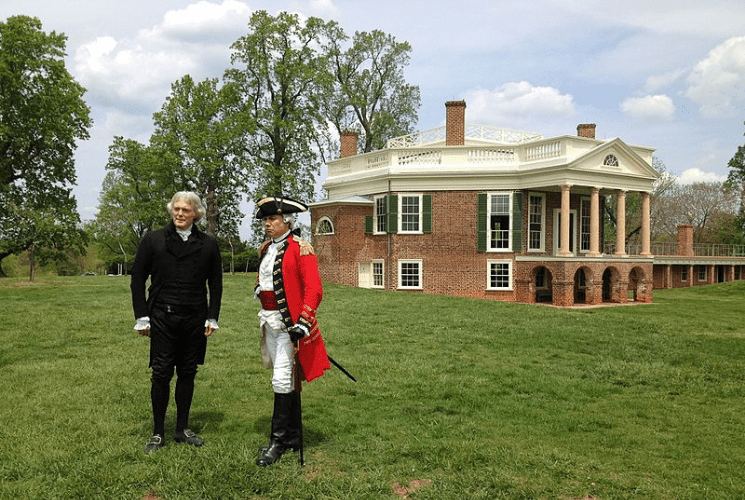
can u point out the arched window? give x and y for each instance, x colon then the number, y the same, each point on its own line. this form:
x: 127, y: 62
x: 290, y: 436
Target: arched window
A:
x: 325, y: 226
x: 611, y: 161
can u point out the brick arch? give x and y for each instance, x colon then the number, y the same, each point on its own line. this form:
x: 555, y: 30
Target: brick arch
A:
x: 613, y: 287
x: 543, y: 293
x: 584, y: 285
x: 639, y: 283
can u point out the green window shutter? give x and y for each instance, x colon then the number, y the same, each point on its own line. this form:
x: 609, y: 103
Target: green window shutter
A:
x: 427, y: 213
x: 368, y: 224
x: 392, y: 210
x: 517, y: 222
x: 481, y: 223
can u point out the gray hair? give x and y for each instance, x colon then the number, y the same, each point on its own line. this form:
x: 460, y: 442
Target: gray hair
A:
x: 191, y: 197
x: 290, y: 219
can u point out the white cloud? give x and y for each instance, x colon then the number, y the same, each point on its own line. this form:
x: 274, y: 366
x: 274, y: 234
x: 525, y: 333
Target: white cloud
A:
x: 135, y: 74
x: 517, y: 102
x: 717, y: 83
x: 651, y: 107
x: 694, y: 175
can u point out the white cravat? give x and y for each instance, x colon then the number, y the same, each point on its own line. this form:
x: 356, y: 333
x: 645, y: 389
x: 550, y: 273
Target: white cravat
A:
x: 184, y: 233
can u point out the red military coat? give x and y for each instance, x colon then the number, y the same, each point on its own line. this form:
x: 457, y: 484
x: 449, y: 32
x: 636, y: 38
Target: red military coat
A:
x: 298, y: 290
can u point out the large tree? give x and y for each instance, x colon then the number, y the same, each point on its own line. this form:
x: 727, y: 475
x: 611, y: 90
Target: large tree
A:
x: 133, y: 199
x: 370, y: 94
x: 42, y: 116
x: 194, y: 138
x: 278, y: 78
x: 708, y: 206
x: 736, y: 179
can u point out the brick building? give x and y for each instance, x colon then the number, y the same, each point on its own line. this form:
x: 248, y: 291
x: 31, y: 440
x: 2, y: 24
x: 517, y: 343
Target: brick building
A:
x: 478, y: 211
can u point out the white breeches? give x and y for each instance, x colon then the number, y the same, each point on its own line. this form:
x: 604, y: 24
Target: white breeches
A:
x: 280, y: 352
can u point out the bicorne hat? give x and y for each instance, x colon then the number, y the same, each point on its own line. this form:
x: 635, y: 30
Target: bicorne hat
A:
x: 278, y: 205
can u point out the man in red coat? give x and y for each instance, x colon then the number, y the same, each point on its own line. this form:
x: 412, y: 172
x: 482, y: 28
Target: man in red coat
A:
x: 289, y: 288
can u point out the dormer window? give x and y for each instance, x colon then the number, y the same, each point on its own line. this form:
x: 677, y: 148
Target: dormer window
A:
x: 610, y: 161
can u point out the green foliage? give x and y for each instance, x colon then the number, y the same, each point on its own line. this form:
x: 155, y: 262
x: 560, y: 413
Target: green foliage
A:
x: 194, y: 140
x: 277, y: 79
x: 133, y: 200
x: 456, y: 398
x: 43, y: 115
x: 370, y: 93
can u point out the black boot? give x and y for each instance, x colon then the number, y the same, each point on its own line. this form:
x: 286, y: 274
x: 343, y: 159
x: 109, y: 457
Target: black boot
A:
x: 295, y: 428
x: 280, y: 427
x: 293, y: 440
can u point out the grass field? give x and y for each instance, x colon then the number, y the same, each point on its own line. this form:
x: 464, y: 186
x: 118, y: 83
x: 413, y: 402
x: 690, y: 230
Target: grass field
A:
x: 455, y: 399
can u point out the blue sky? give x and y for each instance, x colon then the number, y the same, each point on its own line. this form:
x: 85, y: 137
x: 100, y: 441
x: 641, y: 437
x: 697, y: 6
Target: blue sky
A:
x: 668, y: 74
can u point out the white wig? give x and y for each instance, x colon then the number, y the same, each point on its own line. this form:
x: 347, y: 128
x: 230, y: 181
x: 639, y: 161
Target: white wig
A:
x: 192, y: 198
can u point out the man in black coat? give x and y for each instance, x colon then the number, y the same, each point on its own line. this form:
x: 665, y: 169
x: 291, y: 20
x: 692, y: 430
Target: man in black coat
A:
x: 177, y: 315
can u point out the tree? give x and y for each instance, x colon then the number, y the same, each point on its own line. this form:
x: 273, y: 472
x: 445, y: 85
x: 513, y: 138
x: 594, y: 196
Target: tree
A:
x: 194, y: 138
x: 42, y: 115
x: 370, y: 94
x: 133, y: 199
x: 736, y: 178
x: 278, y: 79
x: 634, y: 208
x: 708, y: 206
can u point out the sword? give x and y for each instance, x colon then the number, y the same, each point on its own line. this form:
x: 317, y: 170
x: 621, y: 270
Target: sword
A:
x: 345, y: 372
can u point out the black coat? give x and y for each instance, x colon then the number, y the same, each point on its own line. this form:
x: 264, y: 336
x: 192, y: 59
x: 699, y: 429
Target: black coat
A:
x: 172, y: 264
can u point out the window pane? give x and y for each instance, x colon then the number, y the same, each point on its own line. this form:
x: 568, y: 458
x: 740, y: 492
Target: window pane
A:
x: 535, y: 223
x: 499, y: 276
x: 380, y: 213
x: 500, y: 234
x: 409, y: 274
x: 377, y: 273
x: 499, y: 222
x: 409, y: 213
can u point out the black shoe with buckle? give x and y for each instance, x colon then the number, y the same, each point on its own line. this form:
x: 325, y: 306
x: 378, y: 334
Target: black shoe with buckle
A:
x: 156, y: 442
x: 187, y: 436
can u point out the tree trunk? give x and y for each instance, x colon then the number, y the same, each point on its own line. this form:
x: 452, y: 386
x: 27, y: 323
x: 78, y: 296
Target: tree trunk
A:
x: 31, y: 264
x: 2, y: 256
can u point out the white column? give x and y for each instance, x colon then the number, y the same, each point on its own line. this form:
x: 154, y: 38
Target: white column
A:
x: 564, y: 243
x: 646, y: 230
x: 594, y: 223
x: 621, y: 224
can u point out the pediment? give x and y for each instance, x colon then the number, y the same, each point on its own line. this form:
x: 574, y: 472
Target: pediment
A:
x: 614, y: 157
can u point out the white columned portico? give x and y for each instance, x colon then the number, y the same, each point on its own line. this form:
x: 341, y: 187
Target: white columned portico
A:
x: 646, y: 230
x: 564, y: 242
x: 594, y: 223
x: 621, y: 224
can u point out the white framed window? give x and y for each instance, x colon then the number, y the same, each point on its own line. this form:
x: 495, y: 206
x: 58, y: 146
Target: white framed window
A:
x: 684, y: 273
x: 325, y: 226
x: 410, y: 274
x: 410, y: 213
x: 380, y: 217
x: 378, y: 276
x: 584, y: 223
x: 499, y: 275
x: 499, y: 210
x: 536, y: 222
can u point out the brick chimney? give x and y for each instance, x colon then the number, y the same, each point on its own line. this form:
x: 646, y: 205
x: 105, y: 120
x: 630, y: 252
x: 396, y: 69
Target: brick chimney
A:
x: 685, y: 240
x: 348, y: 144
x: 455, y: 123
x: 586, y: 130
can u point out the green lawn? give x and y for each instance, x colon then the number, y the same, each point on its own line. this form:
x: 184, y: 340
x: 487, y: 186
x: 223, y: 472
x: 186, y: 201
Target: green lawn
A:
x: 456, y: 399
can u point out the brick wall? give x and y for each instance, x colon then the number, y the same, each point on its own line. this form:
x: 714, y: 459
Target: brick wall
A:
x: 348, y: 143
x: 455, y: 123
x: 451, y: 263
